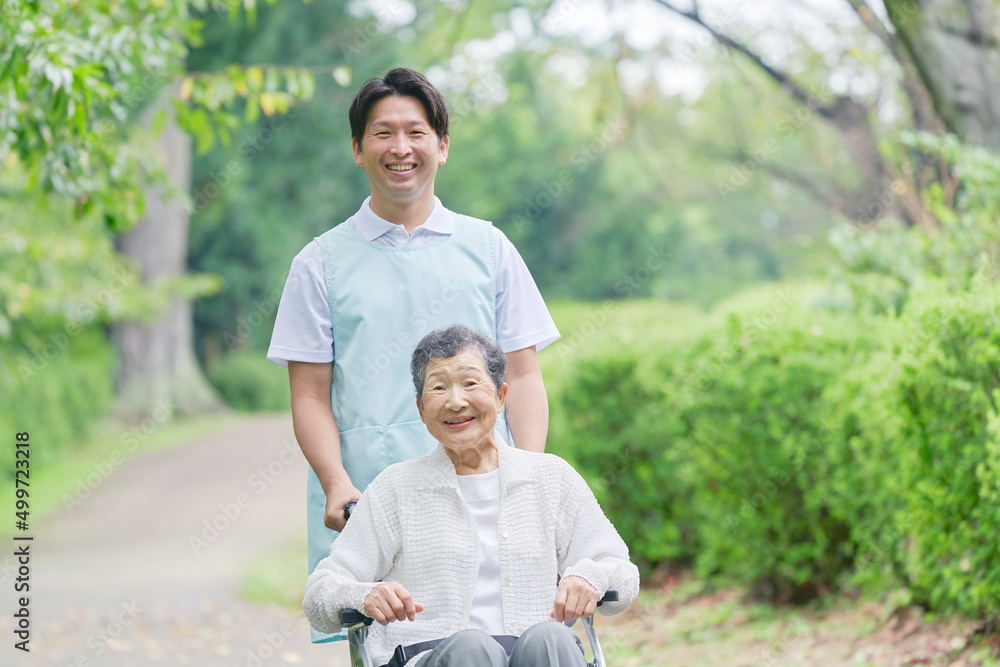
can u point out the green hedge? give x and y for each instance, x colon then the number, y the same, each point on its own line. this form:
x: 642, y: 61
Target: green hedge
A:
x: 808, y: 450
x: 249, y: 382
x: 926, y: 436
x: 55, y: 389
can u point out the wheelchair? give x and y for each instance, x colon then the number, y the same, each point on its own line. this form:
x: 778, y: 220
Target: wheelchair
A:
x: 357, y: 631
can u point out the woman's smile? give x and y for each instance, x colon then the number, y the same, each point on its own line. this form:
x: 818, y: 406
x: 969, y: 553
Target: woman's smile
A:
x: 459, y: 422
x: 460, y: 404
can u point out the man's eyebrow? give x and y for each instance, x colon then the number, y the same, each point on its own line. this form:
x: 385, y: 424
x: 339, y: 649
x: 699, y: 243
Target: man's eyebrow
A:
x: 412, y: 123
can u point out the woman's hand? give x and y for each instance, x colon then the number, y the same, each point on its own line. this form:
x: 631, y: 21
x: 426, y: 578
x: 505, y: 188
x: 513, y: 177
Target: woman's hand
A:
x: 575, y: 598
x: 390, y: 602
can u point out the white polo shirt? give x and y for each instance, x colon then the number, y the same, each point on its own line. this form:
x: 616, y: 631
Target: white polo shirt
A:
x: 303, y: 330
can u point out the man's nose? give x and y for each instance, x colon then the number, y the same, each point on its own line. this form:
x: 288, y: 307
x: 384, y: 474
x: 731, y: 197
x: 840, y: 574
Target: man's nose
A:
x: 401, y: 145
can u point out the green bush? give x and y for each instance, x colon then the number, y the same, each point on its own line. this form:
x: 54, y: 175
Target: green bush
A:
x: 768, y: 456
x: 621, y: 442
x: 809, y: 451
x: 716, y: 453
x: 56, y: 389
x: 249, y: 382
x: 927, y: 438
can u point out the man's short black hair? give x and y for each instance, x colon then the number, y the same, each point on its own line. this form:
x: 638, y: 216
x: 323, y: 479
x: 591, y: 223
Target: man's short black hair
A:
x: 399, y: 81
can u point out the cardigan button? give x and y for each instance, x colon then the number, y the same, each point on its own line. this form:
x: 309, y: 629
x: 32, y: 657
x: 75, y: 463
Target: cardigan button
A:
x: 504, y: 534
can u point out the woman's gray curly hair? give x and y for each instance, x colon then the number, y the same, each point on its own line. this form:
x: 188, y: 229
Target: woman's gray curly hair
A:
x: 446, y: 343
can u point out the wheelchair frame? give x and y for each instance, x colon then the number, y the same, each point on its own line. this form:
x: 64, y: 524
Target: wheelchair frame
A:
x: 357, y: 634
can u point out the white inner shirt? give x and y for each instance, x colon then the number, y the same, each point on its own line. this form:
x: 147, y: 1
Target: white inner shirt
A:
x: 482, y: 495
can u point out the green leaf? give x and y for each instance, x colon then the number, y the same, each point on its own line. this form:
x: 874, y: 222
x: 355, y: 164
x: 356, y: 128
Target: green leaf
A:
x: 308, y: 85
x: 253, y: 108
x: 202, y: 129
x: 292, y: 82
x: 159, y: 121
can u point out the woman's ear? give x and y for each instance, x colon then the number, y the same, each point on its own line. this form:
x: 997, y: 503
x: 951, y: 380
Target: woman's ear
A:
x: 420, y: 409
x: 502, y: 394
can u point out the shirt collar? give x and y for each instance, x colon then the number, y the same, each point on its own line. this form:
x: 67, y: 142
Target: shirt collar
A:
x: 441, y: 471
x: 371, y: 226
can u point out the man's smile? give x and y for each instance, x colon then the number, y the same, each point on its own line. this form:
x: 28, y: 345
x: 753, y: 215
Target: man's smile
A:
x: 401, y: 167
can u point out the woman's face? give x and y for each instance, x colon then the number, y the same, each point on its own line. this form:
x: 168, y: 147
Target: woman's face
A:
x: 460, y: 402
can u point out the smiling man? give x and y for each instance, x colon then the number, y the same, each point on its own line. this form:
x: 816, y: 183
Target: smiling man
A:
x: 359, y: 298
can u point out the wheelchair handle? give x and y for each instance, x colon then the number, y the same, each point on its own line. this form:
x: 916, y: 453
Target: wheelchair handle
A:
x: 348, y: 508
x: 349, y: 617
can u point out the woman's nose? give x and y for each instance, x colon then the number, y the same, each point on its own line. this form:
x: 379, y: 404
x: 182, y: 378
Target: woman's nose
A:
x: 456, y: 398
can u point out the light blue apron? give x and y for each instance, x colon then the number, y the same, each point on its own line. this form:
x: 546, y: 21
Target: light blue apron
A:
x: 383, y: 300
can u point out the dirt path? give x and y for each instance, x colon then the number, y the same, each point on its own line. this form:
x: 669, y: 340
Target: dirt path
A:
x: 147, y: 570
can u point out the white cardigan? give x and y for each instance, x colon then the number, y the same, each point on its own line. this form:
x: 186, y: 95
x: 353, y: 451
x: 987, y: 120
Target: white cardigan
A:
x: 412, y: 526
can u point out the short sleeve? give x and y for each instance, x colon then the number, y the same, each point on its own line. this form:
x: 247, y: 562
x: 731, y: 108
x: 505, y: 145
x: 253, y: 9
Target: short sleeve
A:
x: 303, y: 330
x: 523, y: 320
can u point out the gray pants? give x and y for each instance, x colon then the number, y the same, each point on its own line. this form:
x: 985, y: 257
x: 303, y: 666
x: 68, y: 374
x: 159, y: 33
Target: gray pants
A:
x: 548, y: 644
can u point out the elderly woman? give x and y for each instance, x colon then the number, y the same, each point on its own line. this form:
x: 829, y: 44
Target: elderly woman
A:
x: 468, y: 542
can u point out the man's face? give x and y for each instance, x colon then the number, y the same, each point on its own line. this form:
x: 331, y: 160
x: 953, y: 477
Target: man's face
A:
x: 400, y: 151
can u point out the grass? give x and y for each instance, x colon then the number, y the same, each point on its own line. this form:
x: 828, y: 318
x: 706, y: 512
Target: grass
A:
x: 278, y: 577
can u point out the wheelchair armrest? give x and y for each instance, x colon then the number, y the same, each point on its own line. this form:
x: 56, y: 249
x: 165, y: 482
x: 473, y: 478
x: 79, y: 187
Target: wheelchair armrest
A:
x: 350, y: 617
x: 610, y: 596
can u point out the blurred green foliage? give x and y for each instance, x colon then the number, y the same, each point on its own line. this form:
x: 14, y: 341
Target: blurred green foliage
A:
x: 77, y: 163
x: 249, y: 383
x: 815, y: 442
x: 579, y: 175
x: 820, y: 451
x: 881, y: 266
x: 58, y: 291
x: 54, y: 391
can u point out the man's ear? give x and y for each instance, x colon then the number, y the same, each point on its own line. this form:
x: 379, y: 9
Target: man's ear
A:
x: 444, y: 151
x: 357, y: 152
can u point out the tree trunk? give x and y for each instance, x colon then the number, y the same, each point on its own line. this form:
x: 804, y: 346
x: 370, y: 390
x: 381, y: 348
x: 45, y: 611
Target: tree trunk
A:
x: 956, y: 47
x: 157, y: 371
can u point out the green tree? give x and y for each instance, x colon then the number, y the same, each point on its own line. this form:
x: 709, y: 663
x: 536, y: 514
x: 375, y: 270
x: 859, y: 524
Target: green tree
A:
x: 78, y: 77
